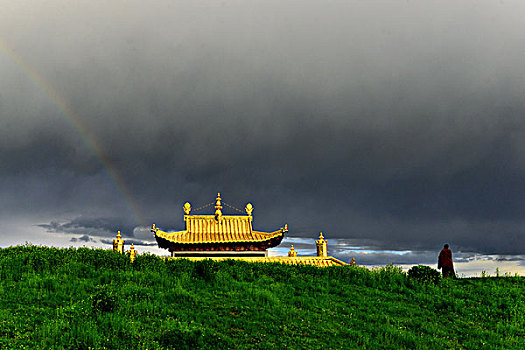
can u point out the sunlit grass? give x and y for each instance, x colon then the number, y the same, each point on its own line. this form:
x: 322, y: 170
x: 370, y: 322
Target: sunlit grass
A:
x: 95, y: 299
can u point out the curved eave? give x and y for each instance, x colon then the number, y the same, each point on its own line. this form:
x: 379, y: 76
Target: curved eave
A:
x: 171, y: 237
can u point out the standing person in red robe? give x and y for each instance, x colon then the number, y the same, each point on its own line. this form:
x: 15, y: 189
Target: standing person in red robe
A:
x: 445, y: 262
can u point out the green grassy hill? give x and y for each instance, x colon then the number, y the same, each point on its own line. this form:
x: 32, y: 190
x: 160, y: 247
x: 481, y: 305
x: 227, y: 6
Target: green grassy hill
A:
x: 96, y: 299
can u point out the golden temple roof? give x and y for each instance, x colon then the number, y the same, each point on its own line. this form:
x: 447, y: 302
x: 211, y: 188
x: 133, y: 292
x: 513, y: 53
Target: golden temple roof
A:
x: 217, y: 228
x: 206, y: 229
x: 303, y: 260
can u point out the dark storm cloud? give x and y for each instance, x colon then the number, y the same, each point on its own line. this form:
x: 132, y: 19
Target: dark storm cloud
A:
x: 84, y: 238
x: 511, y: 258
x: 397, y: 125
x: 101, y: 229
x: 88, y: 226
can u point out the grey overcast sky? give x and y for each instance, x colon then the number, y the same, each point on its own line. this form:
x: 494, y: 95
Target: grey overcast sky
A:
x: 389, y: 125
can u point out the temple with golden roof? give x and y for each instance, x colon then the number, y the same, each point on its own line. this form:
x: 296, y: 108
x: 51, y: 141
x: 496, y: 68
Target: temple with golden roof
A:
x: 221, y: 237
x: 218, y: 235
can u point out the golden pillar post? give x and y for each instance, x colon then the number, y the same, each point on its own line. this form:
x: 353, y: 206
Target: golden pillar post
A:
x: 292, y: 253
x: 118, y: 244
x: 132, y: 252
x: 321, y: 246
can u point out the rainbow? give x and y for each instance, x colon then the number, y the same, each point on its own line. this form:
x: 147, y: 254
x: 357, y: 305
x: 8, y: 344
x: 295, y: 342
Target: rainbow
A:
x: 88, y: 138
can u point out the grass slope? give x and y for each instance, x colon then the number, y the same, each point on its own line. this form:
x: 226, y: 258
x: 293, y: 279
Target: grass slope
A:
x: 95, y: 299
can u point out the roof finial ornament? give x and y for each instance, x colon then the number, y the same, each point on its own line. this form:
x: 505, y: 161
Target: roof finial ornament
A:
x: 218, y: 207
x: 249, y: 209
x: 154, y: 229
x: 187, y: 208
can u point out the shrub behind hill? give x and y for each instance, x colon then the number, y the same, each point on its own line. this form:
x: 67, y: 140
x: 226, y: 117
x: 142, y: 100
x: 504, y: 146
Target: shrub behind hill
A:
x: 424, y: 274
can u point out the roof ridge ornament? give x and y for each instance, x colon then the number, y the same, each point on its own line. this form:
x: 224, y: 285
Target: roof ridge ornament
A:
x: 249, y: 209
x: 218, y: 207
x: 187, y: 208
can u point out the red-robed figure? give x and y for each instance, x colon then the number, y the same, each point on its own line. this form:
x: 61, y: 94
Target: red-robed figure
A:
x: 445, y: 262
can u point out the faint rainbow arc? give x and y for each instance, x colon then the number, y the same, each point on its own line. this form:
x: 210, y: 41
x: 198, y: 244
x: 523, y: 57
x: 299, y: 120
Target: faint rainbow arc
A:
x: 70, y: 116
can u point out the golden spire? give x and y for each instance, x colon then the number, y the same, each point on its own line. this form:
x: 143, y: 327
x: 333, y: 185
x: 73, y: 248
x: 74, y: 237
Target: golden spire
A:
x: 218, y: 207
x: 187, y: 208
